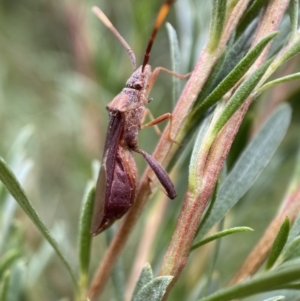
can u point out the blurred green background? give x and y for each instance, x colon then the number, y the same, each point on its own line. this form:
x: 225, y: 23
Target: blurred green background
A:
x: 59, y: 68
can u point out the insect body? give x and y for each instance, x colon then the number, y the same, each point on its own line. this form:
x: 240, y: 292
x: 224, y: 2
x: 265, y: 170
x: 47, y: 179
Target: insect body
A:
x: 118, y: 177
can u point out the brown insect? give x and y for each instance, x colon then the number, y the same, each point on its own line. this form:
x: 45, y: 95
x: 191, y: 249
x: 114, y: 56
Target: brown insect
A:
x: 118, y: 177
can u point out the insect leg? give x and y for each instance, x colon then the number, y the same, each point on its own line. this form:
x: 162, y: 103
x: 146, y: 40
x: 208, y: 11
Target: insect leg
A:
x: 153, y: 122
x: 156, y: 72
x: 157, y: 120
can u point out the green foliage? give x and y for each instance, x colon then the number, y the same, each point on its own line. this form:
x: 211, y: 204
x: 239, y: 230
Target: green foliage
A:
x: 13, y: 186
x: 59, y: 68
x: 219, y: 235
x: 85, y: 239
x: 175, y: 60
x: 239, y: 96
x: 216, y: 23
x: 235, y: 75
x: 249, y: 165
x: 145, y: 277
x: 279, y: 243
x: 150, y: 288
x: 268, y: 281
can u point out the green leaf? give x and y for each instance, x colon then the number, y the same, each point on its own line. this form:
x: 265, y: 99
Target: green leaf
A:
x: 13, y: 186
x: 216, y: 24
x: 215, y: 76
x: 279, y: 243
x: 231, y: 57
x: 154, y: 290
x: 145, y: 277
x: 271, y: 280
x: 8, y: 259
x: 292, y: 251
x: 175, y: 61
x: 22, y: 167
x: 250, y: 164
x: 235, y: 75
x: 293, y: 49
x: 230, y: 5
x: 18, y: 149
x: 219, y: 235
x: 250, y: 15
x: 292, y: 286
x: 294, y: 11
x: 5, y: 287
x: 85, y: 237
x: 278, y: 81
x: 276, y: 298
x: 194, y: 179
x: 295, y: 231
x: 16, y: 283
x: 240, y: 95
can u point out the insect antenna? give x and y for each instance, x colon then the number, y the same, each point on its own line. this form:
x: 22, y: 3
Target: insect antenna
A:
x: 159, y: 20
x: 102, y: 17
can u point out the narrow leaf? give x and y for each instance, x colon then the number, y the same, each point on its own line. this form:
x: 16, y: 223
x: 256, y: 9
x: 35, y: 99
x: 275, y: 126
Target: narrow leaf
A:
x: 250, y: 15
x: 16, y: 283
x: 13, y: 186
x: 294, y: 11
x: 264, y: 282
x: 293, y: 49
x: 215, y: 76
x: 145, y: 277
x: 240, y: 95
x: 194, y: 181
x: 295, y: 231
x: 216, y: 24
x: 85, y: 236
x: 250, y: 164
x: 235, y: 75
x: 276, y: 298
x: 292, y: 189
x: 219, y: 235
x: 291, y: 286
x: 279, y: 243
x: 292, y: 251
x: 5, y: 286
x: 278, y: 81
x: 7, y: 260
x: 175, y: 60
x: 154, y: 290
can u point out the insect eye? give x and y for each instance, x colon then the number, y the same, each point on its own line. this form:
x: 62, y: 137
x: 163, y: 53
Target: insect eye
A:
x: 138, y: 86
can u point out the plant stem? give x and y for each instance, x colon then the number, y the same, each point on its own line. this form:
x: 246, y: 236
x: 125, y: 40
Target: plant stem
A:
x: 194, y: 205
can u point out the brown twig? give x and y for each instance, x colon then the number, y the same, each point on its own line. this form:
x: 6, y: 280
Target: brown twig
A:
x: 211, y: 162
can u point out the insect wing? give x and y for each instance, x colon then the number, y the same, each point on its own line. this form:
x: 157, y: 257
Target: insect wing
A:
x: 106, y: 171
x: 122, y: 188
